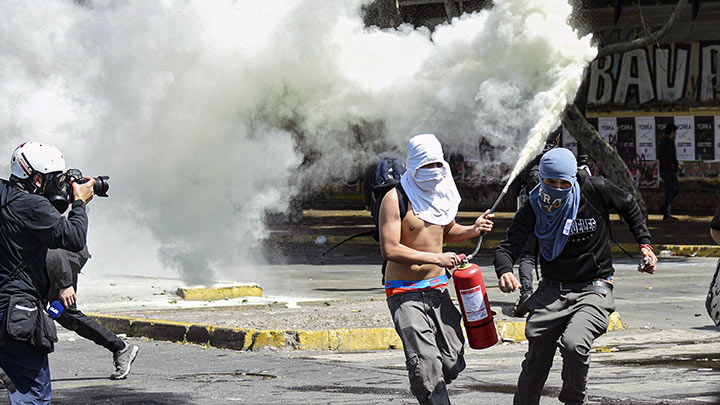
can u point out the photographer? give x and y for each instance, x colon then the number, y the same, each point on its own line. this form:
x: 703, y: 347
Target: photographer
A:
x: 29, y: 225
x: 63, y: 268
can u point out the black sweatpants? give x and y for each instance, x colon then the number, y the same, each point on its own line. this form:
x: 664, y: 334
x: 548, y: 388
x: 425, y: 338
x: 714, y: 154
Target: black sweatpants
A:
x: 570, y: 320
x: 59, y: 261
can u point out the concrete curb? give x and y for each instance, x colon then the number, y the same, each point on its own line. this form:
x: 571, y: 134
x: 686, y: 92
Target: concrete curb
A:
x: 219, y: 292
x: 347, y: 340
x: 691, y: 250
x: 632, y: 248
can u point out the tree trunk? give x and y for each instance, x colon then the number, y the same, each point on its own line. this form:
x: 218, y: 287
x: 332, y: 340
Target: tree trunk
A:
x: 601, y: 152
x: 451, y: 9
x: 389, y: 15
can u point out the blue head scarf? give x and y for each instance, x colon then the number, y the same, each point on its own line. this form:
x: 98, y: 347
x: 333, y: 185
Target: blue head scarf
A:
x: 555, y: 208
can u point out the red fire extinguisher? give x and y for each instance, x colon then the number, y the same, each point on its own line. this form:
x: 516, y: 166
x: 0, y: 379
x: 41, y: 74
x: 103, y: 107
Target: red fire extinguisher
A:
x: 474, y: 305
x: 471, y: 292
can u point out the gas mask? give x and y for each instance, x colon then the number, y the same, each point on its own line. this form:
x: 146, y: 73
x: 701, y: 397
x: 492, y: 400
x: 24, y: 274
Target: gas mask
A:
x: 56, y: 188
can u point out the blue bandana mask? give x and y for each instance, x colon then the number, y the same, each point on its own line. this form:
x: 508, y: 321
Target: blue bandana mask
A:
x: 555, y: 208
x: 552, y: 198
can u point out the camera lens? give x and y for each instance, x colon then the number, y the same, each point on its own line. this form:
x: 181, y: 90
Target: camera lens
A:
x: 101, y: 186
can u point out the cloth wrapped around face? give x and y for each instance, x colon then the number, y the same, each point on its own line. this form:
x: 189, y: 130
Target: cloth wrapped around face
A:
x: 431, y: 191
x: 555, y: 208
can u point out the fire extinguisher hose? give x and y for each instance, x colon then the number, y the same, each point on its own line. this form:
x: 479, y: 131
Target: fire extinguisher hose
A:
x: 480, y: 239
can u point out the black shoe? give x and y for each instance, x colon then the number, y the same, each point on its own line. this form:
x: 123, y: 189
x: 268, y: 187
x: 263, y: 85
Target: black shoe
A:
x: 669, y: 218
x: 519, y: 311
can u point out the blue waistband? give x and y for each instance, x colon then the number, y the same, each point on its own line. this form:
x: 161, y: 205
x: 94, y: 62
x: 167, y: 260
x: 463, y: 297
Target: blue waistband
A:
x: 417, y: 285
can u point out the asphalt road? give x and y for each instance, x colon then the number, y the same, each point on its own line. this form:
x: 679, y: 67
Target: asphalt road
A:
x: 670, y: 354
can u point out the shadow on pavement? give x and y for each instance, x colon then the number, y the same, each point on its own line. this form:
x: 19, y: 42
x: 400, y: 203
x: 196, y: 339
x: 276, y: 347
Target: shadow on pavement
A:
x: 708, y: 327
x: 110, y: 394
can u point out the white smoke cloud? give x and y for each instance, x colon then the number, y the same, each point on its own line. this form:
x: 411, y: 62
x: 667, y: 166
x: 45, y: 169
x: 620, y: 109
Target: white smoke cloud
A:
x: 201, y: 111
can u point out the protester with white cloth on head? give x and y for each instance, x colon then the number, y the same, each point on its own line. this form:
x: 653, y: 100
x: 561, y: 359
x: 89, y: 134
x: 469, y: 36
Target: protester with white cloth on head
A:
x: 416, y: 283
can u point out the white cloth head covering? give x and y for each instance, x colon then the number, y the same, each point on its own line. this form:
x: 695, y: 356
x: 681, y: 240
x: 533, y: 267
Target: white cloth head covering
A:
x: 440, y: 205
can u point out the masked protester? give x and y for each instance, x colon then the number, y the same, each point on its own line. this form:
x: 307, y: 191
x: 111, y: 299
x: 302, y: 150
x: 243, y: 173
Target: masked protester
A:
x: 525, y: 182
x: 416, y: 283
x: 29, y: 225
x: 568, y: 213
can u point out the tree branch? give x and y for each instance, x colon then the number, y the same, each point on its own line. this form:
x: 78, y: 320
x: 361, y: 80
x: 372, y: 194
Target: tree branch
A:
x: 383, y: 13
x: 451, y: 9
x: 646, y: 40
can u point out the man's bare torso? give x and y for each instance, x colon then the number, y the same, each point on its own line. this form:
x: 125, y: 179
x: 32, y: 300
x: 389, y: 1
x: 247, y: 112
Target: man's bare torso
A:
x: 419, y: 235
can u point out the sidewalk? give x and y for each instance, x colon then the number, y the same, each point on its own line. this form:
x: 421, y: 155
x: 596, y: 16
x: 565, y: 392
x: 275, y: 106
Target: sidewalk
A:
x: 327, y: 318
x: 334, y: 301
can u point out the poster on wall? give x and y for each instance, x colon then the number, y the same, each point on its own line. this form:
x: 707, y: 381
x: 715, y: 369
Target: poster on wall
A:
x: 568, y: 141
x: 607, y: 127
x: 648, y: 175
x: 626, y: 138
x: 685, y: 139
x: 645, y: 137
x: 704, y: 138
x: 717, y: 138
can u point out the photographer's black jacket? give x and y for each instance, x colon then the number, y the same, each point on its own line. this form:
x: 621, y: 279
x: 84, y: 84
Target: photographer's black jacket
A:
x: 29, y: 225
x: 587, y: 254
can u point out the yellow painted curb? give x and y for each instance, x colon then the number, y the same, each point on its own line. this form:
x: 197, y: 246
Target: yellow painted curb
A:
x: 511, y: 331
x: 219, y: 293
x: 514, y: 331
x: 616, y: 323
x: 368, y: 339
x: 691, y: 250
x: 254, y: 339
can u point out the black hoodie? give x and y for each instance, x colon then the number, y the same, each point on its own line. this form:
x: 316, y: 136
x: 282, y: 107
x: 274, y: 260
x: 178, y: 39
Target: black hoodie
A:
x: 587, y: 254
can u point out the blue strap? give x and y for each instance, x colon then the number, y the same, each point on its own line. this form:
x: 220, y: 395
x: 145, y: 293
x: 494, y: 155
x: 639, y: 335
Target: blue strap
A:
x: 417, y: 285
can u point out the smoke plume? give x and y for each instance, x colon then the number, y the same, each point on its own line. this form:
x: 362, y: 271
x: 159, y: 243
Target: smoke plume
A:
x: 203, y: 112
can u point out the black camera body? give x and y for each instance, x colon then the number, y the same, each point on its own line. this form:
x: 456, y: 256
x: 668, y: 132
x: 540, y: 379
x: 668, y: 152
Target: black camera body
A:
x: 58, y: 188
x: 100, y: 188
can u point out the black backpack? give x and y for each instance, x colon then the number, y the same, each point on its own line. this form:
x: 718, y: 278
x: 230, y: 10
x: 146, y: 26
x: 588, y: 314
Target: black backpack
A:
x: 381, y: 175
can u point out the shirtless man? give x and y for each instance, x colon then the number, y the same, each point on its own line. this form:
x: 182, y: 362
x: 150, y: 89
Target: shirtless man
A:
x: 416, y: 284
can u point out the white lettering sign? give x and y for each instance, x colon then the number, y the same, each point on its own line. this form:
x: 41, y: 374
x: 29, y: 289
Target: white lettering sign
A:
x: 717, y: 138
x: 685, y: 139
x: 645, y: 137
x: 607, y: 127
x: 634, y: 70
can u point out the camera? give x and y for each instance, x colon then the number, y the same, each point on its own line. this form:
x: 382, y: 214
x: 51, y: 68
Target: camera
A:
x: 58, y: 188
x: 101, y: 186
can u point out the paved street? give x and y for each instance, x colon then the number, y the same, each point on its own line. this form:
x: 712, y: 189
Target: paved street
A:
x: 670, y: 353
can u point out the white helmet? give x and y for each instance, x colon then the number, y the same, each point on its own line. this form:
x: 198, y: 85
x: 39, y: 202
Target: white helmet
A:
x: 32, y: 157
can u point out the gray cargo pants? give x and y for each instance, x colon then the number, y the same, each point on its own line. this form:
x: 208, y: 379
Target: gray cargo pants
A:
x: 429, y: 326
x: 568, y: 316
